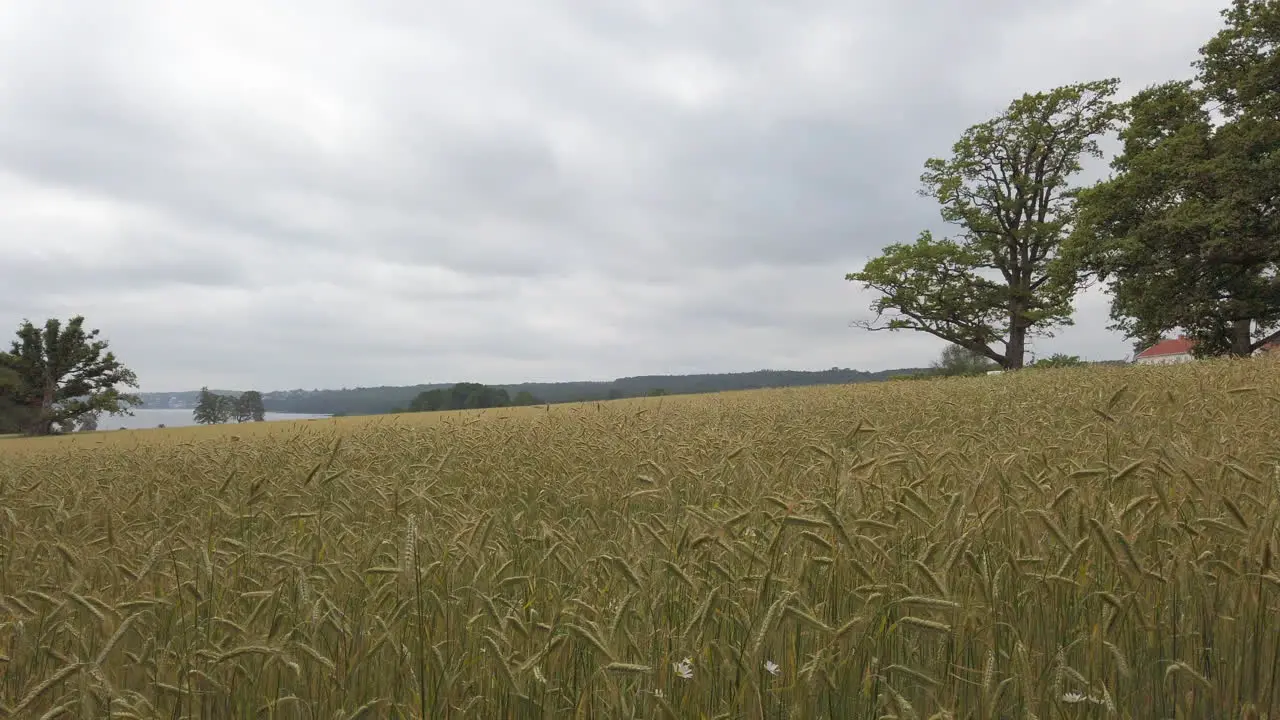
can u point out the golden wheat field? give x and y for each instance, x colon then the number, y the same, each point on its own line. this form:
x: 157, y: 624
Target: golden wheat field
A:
x: 1073, y: 543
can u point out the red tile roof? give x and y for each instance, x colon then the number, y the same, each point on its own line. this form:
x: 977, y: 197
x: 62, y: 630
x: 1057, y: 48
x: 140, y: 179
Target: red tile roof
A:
x: 1168, y: 347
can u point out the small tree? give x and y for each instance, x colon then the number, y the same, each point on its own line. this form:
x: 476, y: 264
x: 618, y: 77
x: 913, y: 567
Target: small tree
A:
x: 226, y: 408
x: 241, y: 410
x: 63, y: 372
x: 1058, y: 360
x: 212, y: 408
x: 957, y: 360
x: 249, y: 407
x: 85, y: 423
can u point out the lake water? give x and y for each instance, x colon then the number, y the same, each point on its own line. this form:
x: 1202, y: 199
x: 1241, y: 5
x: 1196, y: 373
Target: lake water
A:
x: 153, y: 417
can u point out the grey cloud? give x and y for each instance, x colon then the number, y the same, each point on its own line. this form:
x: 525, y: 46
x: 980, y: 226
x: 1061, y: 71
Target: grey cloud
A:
x: 422, y: 192
x: 33, y: 277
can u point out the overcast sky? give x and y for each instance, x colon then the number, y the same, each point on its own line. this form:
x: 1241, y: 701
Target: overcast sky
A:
x: 244, y: 194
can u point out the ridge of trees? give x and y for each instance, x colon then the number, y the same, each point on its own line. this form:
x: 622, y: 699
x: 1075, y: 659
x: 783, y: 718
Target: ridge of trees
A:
x: 467, y: 396
x: 389, y: 399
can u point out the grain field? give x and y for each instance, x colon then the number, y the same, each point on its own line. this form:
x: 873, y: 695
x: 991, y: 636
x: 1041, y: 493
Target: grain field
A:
x: 1095, y: 542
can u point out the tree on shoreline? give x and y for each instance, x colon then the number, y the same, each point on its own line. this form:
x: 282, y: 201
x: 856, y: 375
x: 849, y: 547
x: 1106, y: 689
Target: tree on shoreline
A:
x: 249, y: 407
x: 58, y: 374
x: 212, y: 408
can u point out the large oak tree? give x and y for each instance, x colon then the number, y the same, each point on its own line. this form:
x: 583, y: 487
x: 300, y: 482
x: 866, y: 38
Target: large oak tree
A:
x: 1007, y: 186
x: 58, y: 374
x: 1186, y: 231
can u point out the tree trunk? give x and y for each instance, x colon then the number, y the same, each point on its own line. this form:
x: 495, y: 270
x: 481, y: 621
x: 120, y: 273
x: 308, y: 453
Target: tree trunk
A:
x: 1016, y: 348
x: 1242, y: 338
x: 43, y: 423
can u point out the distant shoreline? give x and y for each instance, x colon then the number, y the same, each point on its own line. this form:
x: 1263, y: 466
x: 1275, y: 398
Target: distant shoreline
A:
x: 147, y: 417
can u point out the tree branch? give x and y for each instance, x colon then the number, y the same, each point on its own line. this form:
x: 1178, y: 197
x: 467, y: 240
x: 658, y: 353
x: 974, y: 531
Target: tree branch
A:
x: 1273, y: 337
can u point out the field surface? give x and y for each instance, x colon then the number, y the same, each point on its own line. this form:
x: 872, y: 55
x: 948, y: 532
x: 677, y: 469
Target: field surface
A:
x: 1093, y: 542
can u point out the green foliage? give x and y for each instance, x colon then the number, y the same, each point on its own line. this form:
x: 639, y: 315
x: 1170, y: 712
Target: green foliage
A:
x: 56, y: 375
x: 249, y: 407
x: 14, y: 415
x: 226, y: 408
x: 959, y: 361
x: 1058, y: 360
x: 1007, y: 187
x: 463, y: 396
x: 525, y: 398
x: 213, y: 409
x: 1185, y: 233
x: 924, y: 375
x: 240, y: 410
x: 85, y: 423
x: 10, y: 380
x: 1239, y: 67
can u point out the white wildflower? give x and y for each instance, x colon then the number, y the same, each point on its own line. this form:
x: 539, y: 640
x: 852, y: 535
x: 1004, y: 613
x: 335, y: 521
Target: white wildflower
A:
x: 1075, y: 697
x: 684, y: 668
x: 659, y: 694
x: 771, y: 667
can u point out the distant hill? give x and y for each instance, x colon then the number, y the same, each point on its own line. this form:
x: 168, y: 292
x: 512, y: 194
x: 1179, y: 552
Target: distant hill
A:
x: 384, y: 399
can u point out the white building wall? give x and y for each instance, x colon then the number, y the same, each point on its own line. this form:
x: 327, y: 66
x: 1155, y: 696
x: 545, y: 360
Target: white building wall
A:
x: 1165, y: 359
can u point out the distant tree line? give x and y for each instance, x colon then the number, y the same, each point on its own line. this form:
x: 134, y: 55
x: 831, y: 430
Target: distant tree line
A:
x: 214, y: 408
x: 466, y: 396
x: 387, y: 399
